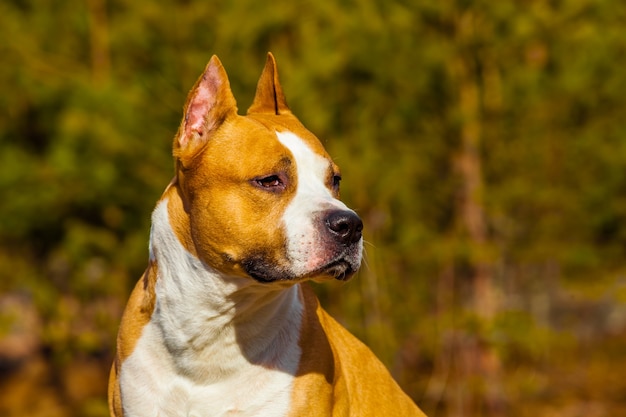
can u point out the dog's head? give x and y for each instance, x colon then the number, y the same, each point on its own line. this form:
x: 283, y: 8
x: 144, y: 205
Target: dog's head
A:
x: 259, y: 195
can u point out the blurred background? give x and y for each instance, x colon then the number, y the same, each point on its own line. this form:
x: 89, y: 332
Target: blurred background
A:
x: 482, y: 142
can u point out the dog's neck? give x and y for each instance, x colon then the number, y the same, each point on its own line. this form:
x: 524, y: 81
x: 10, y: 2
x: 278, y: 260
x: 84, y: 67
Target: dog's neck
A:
x: 217, y: 324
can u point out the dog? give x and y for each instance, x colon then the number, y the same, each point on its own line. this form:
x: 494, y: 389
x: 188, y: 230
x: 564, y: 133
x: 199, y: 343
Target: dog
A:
x: 223, y: 323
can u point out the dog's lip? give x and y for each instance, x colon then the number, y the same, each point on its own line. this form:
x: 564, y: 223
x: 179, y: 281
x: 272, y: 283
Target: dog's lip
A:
x: 340, y: 269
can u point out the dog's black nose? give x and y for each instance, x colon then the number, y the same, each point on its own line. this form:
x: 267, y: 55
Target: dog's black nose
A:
x: 345, y: 226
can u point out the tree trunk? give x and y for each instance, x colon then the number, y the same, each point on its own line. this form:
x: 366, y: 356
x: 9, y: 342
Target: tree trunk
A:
x: 99, y: 39
x: 477, y: 360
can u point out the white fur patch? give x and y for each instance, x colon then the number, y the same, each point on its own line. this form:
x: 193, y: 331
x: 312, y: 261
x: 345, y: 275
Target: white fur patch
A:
x: 305, y: 246
x: 215, y: 345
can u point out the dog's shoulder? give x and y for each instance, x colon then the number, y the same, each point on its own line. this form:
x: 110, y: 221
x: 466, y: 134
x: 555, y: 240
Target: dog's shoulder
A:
x: 350, y: 368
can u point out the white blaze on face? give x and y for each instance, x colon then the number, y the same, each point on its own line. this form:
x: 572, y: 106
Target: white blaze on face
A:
x: 303, y: 222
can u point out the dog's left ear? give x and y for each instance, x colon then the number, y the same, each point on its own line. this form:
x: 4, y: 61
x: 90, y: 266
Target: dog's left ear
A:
x: 209, y: 103
x: 269, y: 97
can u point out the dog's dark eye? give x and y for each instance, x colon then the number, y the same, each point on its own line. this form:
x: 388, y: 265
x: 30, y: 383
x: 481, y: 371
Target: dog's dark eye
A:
x: 336, y: 181
x: 271, y: 182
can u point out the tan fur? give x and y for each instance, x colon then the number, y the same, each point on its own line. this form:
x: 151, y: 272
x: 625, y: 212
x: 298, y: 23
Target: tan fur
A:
x: 136, y: 315
x: 339, y: 375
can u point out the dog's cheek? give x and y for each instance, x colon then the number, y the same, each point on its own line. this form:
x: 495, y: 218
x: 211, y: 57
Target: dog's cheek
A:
x: 228, y: 225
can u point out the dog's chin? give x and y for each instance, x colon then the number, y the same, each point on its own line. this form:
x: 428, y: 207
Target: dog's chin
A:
x: 340, y: 270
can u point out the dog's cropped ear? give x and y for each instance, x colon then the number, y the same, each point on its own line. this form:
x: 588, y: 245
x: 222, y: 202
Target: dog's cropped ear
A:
x: 209, y: 103
x: 269, y: 97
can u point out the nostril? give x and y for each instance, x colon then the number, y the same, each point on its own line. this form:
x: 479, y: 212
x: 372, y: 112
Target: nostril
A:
x: 340, y: 226
x: 345, y: 225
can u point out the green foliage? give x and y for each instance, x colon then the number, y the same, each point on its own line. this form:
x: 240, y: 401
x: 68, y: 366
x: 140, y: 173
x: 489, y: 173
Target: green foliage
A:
x: 92, y: 96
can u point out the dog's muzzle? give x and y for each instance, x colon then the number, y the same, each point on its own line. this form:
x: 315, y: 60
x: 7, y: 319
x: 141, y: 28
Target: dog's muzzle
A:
x: 338, y: 244
x: 344, y: 231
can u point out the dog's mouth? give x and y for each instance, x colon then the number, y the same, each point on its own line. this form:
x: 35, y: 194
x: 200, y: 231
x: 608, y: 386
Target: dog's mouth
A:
x: 341, y: 269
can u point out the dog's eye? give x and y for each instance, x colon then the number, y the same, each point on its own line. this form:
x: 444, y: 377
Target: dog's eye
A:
x: 336, y: 181
x: 271, y: 182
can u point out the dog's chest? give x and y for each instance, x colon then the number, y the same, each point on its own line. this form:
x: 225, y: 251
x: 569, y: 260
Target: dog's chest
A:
x: 151, y: 385
x: 193, y: 358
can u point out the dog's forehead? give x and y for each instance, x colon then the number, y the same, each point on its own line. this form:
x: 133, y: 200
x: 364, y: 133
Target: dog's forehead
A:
x: 305, y: 147
x: 305, y: 157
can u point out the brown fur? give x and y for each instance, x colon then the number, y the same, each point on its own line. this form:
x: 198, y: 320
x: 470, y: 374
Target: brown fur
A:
x: 339, y: 375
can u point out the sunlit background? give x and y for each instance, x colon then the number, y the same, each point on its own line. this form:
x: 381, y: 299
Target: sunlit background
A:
x: 483, y: 143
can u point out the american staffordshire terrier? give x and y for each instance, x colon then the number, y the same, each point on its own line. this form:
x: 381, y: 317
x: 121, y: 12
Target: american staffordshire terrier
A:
x: 222, y: 323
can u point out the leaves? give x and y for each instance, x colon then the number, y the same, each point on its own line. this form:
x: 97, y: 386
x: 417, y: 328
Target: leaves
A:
x: 93, y: 94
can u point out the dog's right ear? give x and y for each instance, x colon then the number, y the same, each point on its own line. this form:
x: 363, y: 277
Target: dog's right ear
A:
x: 209, y: 103
x: 269, y: 97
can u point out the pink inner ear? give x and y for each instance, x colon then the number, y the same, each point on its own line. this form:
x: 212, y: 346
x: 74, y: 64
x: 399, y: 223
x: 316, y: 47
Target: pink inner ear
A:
x: 207, y: 106
x: 198, y: 109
